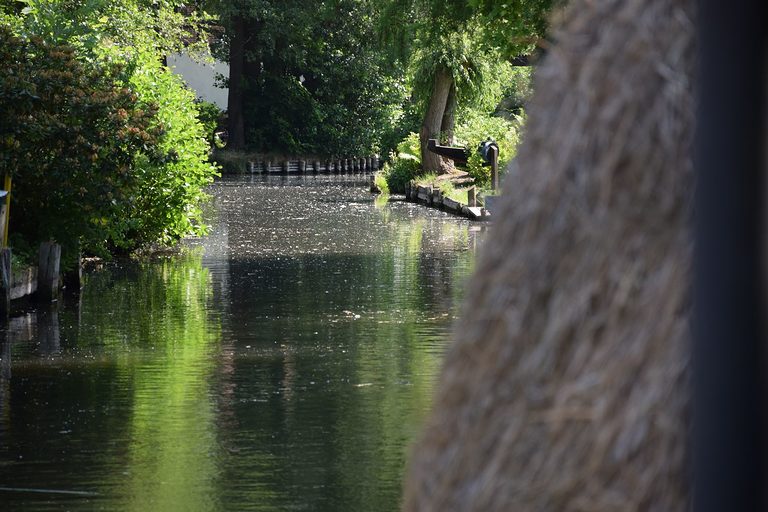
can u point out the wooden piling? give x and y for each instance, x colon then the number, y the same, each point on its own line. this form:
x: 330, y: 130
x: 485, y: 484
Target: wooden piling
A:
x: 472, y: 197
x: 73, y: 279
x: 48, y: 271
x: 6, y: 283
x: 494, y: 155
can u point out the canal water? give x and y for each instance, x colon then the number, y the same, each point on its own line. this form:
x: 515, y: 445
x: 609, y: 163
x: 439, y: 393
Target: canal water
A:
x: 284, y: 362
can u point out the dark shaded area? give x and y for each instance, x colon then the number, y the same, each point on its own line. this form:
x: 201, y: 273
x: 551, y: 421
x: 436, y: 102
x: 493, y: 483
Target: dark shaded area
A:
x: 729, y: 351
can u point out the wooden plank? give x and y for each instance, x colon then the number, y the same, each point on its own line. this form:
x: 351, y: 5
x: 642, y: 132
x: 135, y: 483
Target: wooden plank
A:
x: 474, y: 212
x: 458, y: 155
x: 451, y: 204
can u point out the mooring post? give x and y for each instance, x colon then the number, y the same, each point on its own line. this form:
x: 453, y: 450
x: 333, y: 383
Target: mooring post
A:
x: 472, y: 196
x: 494, y: 154
x: 6, y: 281
x: 48, y: 271
x: 73, y: 279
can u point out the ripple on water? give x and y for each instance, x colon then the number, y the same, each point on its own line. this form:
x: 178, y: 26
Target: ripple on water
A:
x: 283, y: 363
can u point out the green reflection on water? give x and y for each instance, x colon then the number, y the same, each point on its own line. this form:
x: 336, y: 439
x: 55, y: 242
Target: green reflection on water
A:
x: 171, y: 461
x: 270, y: 379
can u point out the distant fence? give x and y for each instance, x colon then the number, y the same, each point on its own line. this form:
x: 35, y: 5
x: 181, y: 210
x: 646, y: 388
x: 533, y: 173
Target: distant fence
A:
x: 340, y: 165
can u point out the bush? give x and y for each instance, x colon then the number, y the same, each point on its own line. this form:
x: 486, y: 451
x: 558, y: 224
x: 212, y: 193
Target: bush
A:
x: 210, y: 116
x: 170, y: 192
x: 70, y: 139
x: 103, y: 156
x: 403, y: 166
x: 476, y: 129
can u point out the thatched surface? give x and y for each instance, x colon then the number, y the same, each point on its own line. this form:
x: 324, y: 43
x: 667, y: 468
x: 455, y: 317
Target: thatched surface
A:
x: 567, y: 387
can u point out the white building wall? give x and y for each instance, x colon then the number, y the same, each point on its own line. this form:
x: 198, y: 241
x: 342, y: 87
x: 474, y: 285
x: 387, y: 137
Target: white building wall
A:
x: 201, y: 77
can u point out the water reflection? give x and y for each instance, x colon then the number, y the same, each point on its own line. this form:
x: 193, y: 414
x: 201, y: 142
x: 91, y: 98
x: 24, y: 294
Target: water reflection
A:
x: 283, y: 363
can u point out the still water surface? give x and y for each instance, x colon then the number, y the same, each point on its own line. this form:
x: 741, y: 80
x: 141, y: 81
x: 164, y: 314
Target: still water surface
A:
x: 284, y: 362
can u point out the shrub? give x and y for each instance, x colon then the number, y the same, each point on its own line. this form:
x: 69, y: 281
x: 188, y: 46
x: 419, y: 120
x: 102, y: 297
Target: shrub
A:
x: 476, y: 129
x: 209, y: 115
x: 103, y: 156
x: 403, y: 166
x: 170, y: 192
x: 70, y: 138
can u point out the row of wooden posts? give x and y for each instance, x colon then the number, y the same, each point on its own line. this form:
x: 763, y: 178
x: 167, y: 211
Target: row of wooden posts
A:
x: 433, y: 197
x: 342, y: 165
x: 43, y: 283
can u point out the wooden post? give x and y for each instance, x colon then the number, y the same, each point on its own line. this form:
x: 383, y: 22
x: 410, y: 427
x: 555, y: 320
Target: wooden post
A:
x: 472, y: 197
x: 494, y: 154
x: 302, y: 166
x: 6, y: 278
x: 375, y: 162
x: 3, y: 217
x: 285, y: 166
x: 48, y: 271
x: 6, y: 218
x: 73, y: 279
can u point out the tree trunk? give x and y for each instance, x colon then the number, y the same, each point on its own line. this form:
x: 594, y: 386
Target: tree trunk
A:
x: 447, y: 127
x: 236, y: 138
x: 433, y: 119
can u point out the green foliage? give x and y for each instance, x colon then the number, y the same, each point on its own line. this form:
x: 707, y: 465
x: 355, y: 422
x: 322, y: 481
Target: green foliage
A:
x: 103, y: 141
x: 514, y: 26
x: 404, y: 165
x: 315, y: 78
x: 209, y: 115
x: 476, y: 128
x: 398, y: 172
x: 516, y: 92
x: 70, y: 140
x: 167, y: 205
x: 381, y: 183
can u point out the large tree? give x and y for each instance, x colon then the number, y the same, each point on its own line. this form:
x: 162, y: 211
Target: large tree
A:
x: 307, y: 77
x: 454, y: 48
